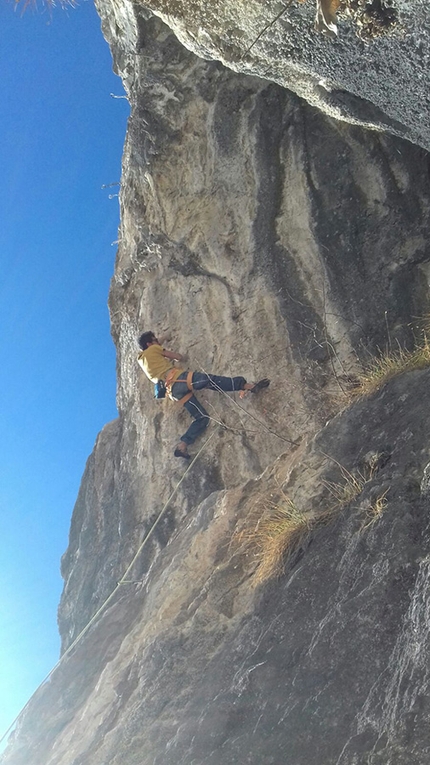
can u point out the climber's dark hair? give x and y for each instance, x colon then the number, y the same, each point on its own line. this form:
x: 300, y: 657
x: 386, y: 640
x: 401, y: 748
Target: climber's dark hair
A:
x: 145, y: 339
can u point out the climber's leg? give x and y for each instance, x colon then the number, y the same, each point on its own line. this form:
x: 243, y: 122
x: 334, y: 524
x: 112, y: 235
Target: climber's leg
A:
x: 216, y: 382
x: 201, y: 421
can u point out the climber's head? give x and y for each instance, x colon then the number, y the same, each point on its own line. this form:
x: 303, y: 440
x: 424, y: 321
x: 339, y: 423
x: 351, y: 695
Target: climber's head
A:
x: 146, y: 339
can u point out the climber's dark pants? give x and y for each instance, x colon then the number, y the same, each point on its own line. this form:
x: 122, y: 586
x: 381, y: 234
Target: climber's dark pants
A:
x: 194, y: 407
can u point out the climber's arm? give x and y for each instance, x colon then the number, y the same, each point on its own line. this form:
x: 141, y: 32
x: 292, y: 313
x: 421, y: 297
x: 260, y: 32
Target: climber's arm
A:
x: 173, y: 356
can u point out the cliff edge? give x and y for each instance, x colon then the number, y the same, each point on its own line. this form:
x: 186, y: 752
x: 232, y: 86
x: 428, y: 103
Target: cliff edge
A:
x: 270, y: 240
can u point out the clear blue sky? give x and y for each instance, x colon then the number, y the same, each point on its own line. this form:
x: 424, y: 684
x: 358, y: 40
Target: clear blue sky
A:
x: 61, y: 140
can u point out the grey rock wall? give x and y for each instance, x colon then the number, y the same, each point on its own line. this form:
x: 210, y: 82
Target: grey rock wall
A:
x: 269, y: 239
x: 378, y: 80
x: 327, y: 664
x: 235, y: 238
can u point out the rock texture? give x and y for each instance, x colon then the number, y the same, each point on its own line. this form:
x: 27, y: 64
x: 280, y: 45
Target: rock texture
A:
x: 380, y: 81
x: 326, y: 665
x: 269, y: 239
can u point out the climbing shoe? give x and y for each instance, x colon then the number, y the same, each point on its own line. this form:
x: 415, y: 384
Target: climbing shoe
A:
x: 182, y: 453
x: 264, y: 383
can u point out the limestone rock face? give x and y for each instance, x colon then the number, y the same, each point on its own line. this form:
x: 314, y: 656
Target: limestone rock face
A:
x: 327, y: 664
x: 270, y: 240
x: 375, y: 73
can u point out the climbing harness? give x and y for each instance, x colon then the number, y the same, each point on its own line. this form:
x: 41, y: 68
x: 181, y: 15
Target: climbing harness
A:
x: 172, y: 378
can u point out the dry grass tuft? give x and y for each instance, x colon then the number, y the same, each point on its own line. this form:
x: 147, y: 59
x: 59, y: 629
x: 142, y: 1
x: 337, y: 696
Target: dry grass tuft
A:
x: 344, y: 493
x: 275, y: 536
x: 272, y: 537
x: 390, y: 365
x: 351, y: 486
x: 274, y: 530
x: 371, y: 18
x: 375, y: 511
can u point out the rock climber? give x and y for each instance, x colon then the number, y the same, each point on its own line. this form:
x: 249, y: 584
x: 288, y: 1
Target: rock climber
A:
x: 180, y: 384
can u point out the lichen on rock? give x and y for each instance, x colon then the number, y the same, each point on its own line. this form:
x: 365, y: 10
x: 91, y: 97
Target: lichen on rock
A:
x: 372, y: 19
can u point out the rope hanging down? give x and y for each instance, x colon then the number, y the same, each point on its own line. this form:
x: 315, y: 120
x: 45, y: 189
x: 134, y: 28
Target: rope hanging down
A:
x: 124, y: 579
x: 121, y: 582
x: 245, y: 411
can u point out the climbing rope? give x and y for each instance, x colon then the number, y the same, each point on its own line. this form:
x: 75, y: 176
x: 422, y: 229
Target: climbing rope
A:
x: 121, y: 582
x: 124, y: 579
x: 268, y: 25
x: 245, y: 411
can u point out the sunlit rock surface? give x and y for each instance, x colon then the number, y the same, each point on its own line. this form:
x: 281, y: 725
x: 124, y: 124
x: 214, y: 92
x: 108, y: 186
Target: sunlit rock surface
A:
x: 269, y: 239
x: 376, y: 72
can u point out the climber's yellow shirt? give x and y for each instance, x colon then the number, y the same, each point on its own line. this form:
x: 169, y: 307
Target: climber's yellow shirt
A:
x: 154, y: 364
